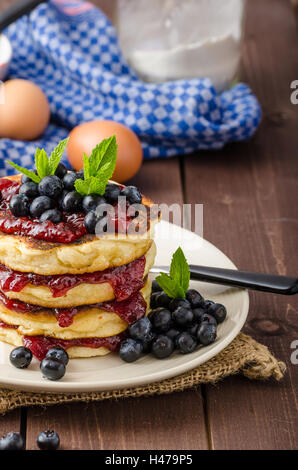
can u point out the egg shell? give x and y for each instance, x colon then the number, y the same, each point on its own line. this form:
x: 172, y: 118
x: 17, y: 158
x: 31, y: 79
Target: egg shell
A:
x: 85, y: 137
x: 25, y: 113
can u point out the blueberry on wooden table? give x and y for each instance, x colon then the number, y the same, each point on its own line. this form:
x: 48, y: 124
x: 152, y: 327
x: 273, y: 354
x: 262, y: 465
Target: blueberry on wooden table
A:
x: 48, y: 440
x: 20, y: 357
x: 12, y: 441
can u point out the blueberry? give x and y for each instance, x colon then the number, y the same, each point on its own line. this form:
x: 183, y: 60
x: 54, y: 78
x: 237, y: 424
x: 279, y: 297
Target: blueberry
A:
x: 63, y: 194
x: 198, y: 314
x: 69, y: 180
x: 12, y: 441
x: 52, y: 369
x: 209, y: 319
x: 206, y: 334
x: 53, y: 215
x: 175, y: 303
x: 147, y: 341
x: 61, y: 170
x: 140, y: 329
x: 58, y: 353
x: 80, y: 174
x: 72, y: 202
x: 130, y: 350
x: 182, y: 316
x: 132, y: 194
x: 153, y: 299
x: 19, y: 205
x: 48, y: 440
x: 162, y: 320
x: 90, y: 221
x: 218, y: 311
x: 39, y: 205
x: 207, y: 304
x: 112, y: 192
x: 193, y: 330
x: 91, y: 202
x: 195, y: 298
x: 29, y: 189
x: 173, y: 333
x: 155, y: 286
x: 51, y: 186
x: 162, y: 347
x: 162, y: 299
x: 26, y: 179
x: 21, y: 357
x: 186, y: 343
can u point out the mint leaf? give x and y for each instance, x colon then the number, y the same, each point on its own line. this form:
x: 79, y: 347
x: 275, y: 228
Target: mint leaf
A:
x: 90, y: 186
x: 98, y: 168
x: 176, y: 283
x: 170, y: 286
x: 26, y: 172
x: 56, y: 156
x: 179, y: 269
x: 41, y: 163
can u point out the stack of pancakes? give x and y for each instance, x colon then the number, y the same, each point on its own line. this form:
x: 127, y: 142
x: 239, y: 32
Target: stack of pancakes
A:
x: 81, y: 296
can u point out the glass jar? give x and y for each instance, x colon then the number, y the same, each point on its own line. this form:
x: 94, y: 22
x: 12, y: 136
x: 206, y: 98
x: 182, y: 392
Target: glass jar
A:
x: 174, y: 39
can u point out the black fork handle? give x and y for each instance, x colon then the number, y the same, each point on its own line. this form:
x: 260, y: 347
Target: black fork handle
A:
x: 257, y: 281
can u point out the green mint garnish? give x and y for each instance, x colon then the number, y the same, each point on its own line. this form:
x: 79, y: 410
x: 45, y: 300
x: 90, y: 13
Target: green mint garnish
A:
x: 176, y: 283
x: 45, y: 165
x: 98, y: 168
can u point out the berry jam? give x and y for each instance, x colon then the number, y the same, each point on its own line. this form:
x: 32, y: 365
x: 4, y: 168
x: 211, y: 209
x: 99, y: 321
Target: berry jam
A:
x: 70, y: 229
x: 130, y: 310
x: 40, y: 345
x: 125, y: 280
x: 5, y: 325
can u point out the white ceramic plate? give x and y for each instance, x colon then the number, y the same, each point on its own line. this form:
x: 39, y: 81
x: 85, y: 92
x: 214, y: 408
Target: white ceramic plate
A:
x: 110, y: 372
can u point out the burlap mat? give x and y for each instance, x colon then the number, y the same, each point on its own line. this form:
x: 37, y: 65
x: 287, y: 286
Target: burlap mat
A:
x: 244, y: 355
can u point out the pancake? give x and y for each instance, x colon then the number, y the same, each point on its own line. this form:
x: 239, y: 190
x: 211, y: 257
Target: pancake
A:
x: 11, y: 336
x: 89, y: 322
x: 88, y: 253
x: 80, y: 295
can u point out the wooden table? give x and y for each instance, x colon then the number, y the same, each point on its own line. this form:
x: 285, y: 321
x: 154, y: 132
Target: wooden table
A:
x: 250, y: 193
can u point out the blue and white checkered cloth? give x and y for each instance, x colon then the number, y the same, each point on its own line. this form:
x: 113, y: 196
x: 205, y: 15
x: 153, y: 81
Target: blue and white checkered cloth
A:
x: 70, y: 49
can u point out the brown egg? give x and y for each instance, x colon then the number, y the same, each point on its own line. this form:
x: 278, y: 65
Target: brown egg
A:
x: 85, y: 137
x: 25, y: 113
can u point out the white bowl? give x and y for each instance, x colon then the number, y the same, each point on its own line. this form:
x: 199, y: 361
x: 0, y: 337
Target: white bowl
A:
x: 5, y: 55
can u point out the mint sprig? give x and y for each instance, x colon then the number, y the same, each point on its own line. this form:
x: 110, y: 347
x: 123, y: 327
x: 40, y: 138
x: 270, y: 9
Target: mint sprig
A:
x: 176, y: 283
x: 98, y: 168
x: 45, y: 166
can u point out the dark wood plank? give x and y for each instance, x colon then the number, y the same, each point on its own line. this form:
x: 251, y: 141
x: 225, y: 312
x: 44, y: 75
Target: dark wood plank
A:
x: 11, y: 422
x: 136, y: 423
x: 249, y: 192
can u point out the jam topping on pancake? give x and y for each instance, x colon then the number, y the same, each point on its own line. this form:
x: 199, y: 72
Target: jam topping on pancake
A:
x: 125, y: 279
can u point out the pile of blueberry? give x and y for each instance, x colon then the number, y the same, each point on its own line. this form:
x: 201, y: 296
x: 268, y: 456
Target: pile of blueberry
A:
x: 182, y: 324
x: 56, y: 194
x: 53, y: 366
x: 46, y: 440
